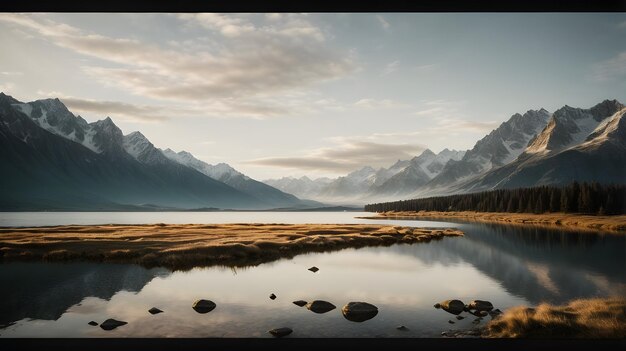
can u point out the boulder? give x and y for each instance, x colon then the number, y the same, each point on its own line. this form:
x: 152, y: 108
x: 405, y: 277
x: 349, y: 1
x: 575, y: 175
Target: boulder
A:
x: 154, y: 310
x: 92, y: 323
x: 480, y: 305
x: 314, y: 269
x: 452, y: 306
x: 273, y: 297
x: 359, y: 311
x: 204, y: 306
x: 111, y: 323
x: 320, y: 306
x: 280, y: 332
x: 300, y: 303
x: 450, y: 321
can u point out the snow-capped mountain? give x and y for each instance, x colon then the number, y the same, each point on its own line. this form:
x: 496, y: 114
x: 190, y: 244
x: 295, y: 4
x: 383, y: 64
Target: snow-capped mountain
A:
x: 498, y: 148
x: 577, y: 144
x: 52, y: 159
x: 225, y: 173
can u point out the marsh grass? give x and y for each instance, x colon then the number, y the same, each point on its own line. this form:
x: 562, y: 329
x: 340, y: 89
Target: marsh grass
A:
x: 583, y: 318
x: 616, y: 223
x: 190, y: 245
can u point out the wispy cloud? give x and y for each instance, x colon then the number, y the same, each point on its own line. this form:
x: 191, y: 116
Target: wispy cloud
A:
x: 391, y: 67
x: 613, y: 68
x: 375, y: 104
x: 383, y: 22
x: 346, y: 155
x: 240, y: 76
x: 6, y: 73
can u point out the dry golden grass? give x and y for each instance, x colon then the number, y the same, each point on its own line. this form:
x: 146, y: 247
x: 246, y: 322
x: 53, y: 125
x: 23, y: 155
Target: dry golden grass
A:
x: 615, y: 223
x: 189, y: 245
x: 584, y: 318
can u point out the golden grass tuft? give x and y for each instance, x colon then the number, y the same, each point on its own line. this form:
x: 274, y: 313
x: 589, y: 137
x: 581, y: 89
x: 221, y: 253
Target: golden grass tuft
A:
x: 583, y: 318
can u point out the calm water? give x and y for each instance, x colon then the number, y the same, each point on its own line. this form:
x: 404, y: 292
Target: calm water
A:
x: 505, y: 265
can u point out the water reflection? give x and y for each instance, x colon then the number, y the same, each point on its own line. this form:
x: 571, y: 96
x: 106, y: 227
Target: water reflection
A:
x: 46, y: 291
x: 505, y: 265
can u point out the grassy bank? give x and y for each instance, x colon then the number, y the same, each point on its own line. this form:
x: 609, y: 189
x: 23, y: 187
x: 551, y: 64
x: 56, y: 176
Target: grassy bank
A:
x: 189, y: 245
x: 584, y: 318
x: 615, y: 223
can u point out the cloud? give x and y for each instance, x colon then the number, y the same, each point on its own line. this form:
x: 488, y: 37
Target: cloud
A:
x: 391, y: 67
x: 7, y: 87
x: 347, y: 155
x: 251, y: 65
x: 383, y: 22
x: 610, y: 69
x: 116, y: 108
x: 384, y: 103
x: 6, y: 73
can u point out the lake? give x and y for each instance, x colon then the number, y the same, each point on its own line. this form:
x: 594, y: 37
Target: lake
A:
x: 507, y: 265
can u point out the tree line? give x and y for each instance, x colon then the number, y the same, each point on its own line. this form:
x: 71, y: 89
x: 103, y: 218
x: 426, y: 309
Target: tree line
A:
x: 588, y: 198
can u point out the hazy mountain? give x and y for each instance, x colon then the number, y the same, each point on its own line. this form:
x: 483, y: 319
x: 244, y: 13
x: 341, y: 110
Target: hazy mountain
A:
x: 367, y: 183
x: 498, y: 148
x: 417, y: 172
x: 577, y: 144
x: 52, y: 159
x: 302, y: 187
x: 226, y: 174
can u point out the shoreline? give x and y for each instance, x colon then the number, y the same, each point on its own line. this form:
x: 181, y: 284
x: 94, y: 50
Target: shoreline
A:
x: 615, y: 224
x: 185, y: 246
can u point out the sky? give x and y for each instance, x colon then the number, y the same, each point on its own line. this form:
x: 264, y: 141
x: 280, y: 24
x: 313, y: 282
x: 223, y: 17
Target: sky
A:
x: 320, y: 94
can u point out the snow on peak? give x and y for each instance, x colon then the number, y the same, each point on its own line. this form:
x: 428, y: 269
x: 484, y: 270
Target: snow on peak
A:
x: 136, y: 144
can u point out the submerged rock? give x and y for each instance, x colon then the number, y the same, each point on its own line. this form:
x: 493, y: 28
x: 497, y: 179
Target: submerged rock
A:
x: 154, y: 310
x: 92, y: 323
x: 111, y: 323
x: 273, y: 297
x: 320, y: 306
x: 359, y: 311
x: 459, y: 317
x: 300, y: 303
x: 403, y: 328
x: 452, y: 306
x: 280, y: 332
x: 450, y: 321
x: 203, y: 306
x: 480, y: 305
x: 314, y: 269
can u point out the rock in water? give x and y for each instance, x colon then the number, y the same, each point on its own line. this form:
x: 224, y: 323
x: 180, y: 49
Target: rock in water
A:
x: 403, y: 328
x: 314, y: 269
x: 204, y: 306
x: 450, y: 321
x: 92, y: 323
x: 280, y: 332
x: 300, y: 303
x: 359, y: 311
x: 480, y: 305
x: 154, y: 310
x: 452, y: 306
x: 111, y: 323
x: 459, y: 317
x: 273, y: 297
x: 320, y: 306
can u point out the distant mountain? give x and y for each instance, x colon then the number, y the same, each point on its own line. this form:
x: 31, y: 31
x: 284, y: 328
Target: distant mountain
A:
x: 419, y: 171
x: 226, y: 174
x: 53, y: 160
x: 576, y: 145
x: 302, y: 187
x: 367, y: 183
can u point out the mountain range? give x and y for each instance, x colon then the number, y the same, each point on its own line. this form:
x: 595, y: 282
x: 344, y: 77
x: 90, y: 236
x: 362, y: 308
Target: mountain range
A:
x: 54, y: 160
x: 534, y: 148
